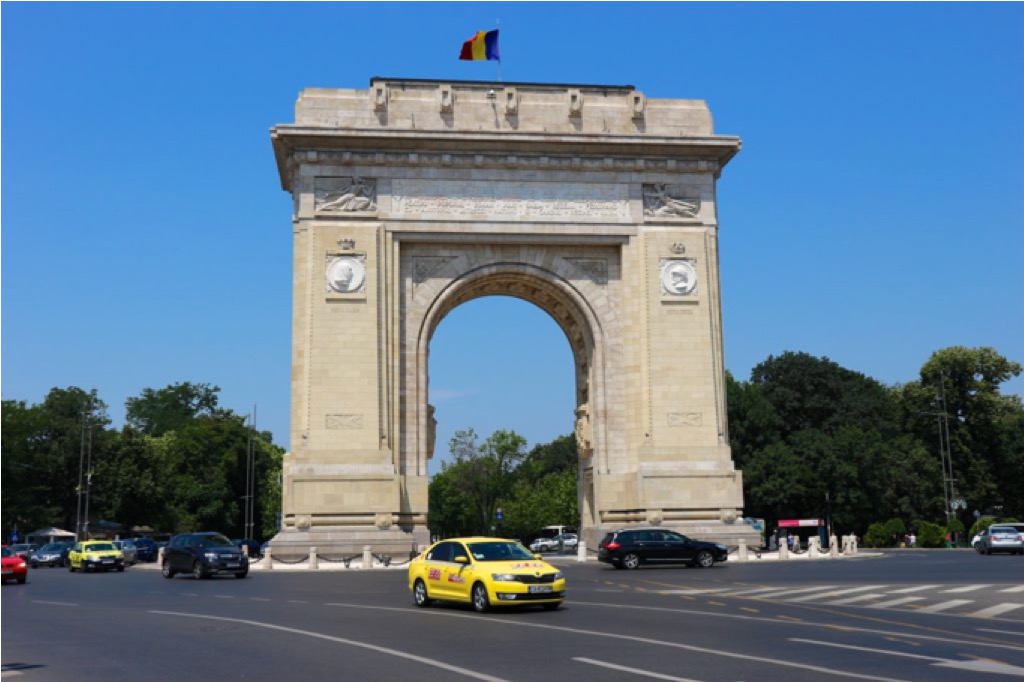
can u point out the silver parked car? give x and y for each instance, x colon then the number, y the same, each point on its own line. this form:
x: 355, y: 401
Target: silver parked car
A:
x: 128, y: 549
x: 1001, y: 538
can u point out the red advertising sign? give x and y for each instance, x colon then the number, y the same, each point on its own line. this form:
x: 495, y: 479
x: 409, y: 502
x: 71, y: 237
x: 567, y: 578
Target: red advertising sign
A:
x: 800, y: 523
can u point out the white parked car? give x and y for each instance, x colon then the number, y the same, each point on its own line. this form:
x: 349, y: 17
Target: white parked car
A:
x: 563, y: 540
x: 129, y: 551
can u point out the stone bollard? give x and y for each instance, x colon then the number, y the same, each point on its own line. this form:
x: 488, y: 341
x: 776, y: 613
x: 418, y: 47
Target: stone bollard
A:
x: 367, y: 556
x: 245, y: 551
x: 743, y: 550
x: 313, y: 563
x: 268, y: 559
x: 833, y: 546
x: 813, y: 547
x: 783, y: 551
x: 853, y: 544
x: 581, y: 552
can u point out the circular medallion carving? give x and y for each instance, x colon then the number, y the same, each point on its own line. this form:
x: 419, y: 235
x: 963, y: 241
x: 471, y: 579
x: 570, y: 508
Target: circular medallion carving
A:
x: 346, y: 275
x: 678, y: 277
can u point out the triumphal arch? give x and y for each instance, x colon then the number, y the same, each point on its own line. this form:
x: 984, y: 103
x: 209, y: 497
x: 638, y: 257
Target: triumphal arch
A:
x: 592, y: 202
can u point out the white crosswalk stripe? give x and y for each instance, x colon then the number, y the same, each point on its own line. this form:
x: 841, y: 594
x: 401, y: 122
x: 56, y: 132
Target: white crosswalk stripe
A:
x: 915, y: 588
x: 835, y: 593
x: 997, y: 610
x: 966, y: 588
x: 787, y: 593
x: 945, y: 606
x: 1019, y: 588
x: 894, y: 602
x: 853, y: 600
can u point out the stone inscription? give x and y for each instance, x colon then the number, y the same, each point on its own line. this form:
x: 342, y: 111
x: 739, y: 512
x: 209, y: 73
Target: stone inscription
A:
x: 511, y: 201
x: 344, y: 421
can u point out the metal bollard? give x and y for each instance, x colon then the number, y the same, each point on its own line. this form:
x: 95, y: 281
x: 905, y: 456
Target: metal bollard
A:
x: 581, y: 552
x: 313, y: 564
x: 367, y: 556
x: 742, y: 550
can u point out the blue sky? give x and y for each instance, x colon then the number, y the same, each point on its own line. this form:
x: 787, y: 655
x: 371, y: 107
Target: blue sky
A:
x: 874, y: 215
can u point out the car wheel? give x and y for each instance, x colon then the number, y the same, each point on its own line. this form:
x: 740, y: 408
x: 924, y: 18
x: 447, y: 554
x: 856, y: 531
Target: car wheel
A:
x: 71, y: 567
x: 631, y: 561
x: 420, y: 595
x: 34, y: 564
x: 167, y: 570
x: 481, y: 603
x: 241, y: 574
x: 705, y: 559
x: 21, y: 579
x: 197, y: 571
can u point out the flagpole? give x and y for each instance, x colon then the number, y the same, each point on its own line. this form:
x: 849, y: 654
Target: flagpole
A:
x: 497, y: 26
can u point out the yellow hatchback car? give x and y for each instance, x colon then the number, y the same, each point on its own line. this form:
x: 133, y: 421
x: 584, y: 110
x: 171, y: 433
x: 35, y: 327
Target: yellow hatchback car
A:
x: 484, y: 572
x: 95, y: 555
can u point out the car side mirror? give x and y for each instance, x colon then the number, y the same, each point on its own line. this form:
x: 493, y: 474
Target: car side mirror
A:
x: 461, y: 560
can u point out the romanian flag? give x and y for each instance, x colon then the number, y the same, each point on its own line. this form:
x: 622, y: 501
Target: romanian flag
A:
x: 484, y: 45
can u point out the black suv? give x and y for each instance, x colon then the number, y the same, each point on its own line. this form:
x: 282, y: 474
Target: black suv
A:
x: 630, y: 547
x: 145, y: 549
x: 203, y: 555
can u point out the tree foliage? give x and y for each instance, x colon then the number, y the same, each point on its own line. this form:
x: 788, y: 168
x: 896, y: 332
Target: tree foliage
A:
x: 178, y: 464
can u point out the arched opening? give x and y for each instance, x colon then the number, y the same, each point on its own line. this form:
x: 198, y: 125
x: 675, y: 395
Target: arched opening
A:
x: 498, y: 362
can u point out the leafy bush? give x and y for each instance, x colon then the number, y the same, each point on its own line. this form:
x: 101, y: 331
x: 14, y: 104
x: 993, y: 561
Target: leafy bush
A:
x: 981, y: 524
x: 930, y: 534
x: 954, y: 525
x: 877, y: 536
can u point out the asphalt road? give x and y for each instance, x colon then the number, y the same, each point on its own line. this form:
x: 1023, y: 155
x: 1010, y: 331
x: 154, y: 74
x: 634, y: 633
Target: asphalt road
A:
x: 911, y: 615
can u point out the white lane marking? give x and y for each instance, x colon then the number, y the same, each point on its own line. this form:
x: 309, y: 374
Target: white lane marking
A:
x: 224, y: 596
x: 10, y: 673
x: 341, y: 640
x: 1001, y: 632
x: 297, y: 601
x: 835, y: 593
x: 864, y: 648
x: 258, y: 599
x: 643, y: 640
x: 1019, y: 588
x: 784, y: 593
x: 854, y: 600
x: 916, y: 588
x: 775, y: 621
x: 943, y: 606
x: 634, y: 671
x: 967, y: 588
x: 721, y: 589
x: 996, y: 610
x: 895, y: 602
x: 972, y: 665
x: 53, y: 603
x: 744, y: 593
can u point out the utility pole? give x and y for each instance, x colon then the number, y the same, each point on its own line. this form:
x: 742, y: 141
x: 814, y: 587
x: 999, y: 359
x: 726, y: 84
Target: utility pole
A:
x: 88, y: 482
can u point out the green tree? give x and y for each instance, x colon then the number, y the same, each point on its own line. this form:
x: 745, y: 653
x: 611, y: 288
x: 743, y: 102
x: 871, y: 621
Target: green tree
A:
x: 158, y: 411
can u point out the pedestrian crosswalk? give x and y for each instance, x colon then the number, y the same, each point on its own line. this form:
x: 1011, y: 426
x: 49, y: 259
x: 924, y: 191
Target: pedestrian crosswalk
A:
x: 976, y: 600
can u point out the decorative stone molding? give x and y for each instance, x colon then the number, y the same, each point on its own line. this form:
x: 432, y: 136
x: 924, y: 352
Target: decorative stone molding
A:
x: 344, y: 421
x: 678, y: 248
x: 584, y: 431
x: 639, y: 105
x: 446, y: 99
x: 511, y: 98
x: 345, y: 273
x: 345, y: 195
x: 678, y: 276
x: 383, y: 521
x: 380, y: 97
x: 347, y: 243
x: 676, y: 419
x: 595, y: 269
x: 662, y: 201
x: 431, y: 430
x: 575, y: 98
x: 655, y: 517
x: 728, y: 516
x: 302, y: 522
x: 423, y: 267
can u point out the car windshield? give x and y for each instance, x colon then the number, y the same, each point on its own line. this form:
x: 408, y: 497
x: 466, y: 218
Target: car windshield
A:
x: 52, y: 547
x: 214, y: 541
x: 8, y: 552
x: 100, y: 547
x: 499, y: 551
x: 19, y: 548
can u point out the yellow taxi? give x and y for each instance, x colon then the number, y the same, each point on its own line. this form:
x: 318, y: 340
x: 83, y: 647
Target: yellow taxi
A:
x: 484, y: 572
x: 95, y: 555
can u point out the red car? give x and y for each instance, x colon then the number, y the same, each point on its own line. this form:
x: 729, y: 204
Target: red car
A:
x: 14, y: 567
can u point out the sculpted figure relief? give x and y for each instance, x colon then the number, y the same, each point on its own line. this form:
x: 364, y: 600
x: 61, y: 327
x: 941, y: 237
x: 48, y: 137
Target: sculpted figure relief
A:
x: 657, y: 202
x: 583, y: 439
x: 359, y: 195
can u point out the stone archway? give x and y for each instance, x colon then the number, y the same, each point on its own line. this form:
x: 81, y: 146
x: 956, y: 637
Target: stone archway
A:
x: 412, y: 197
